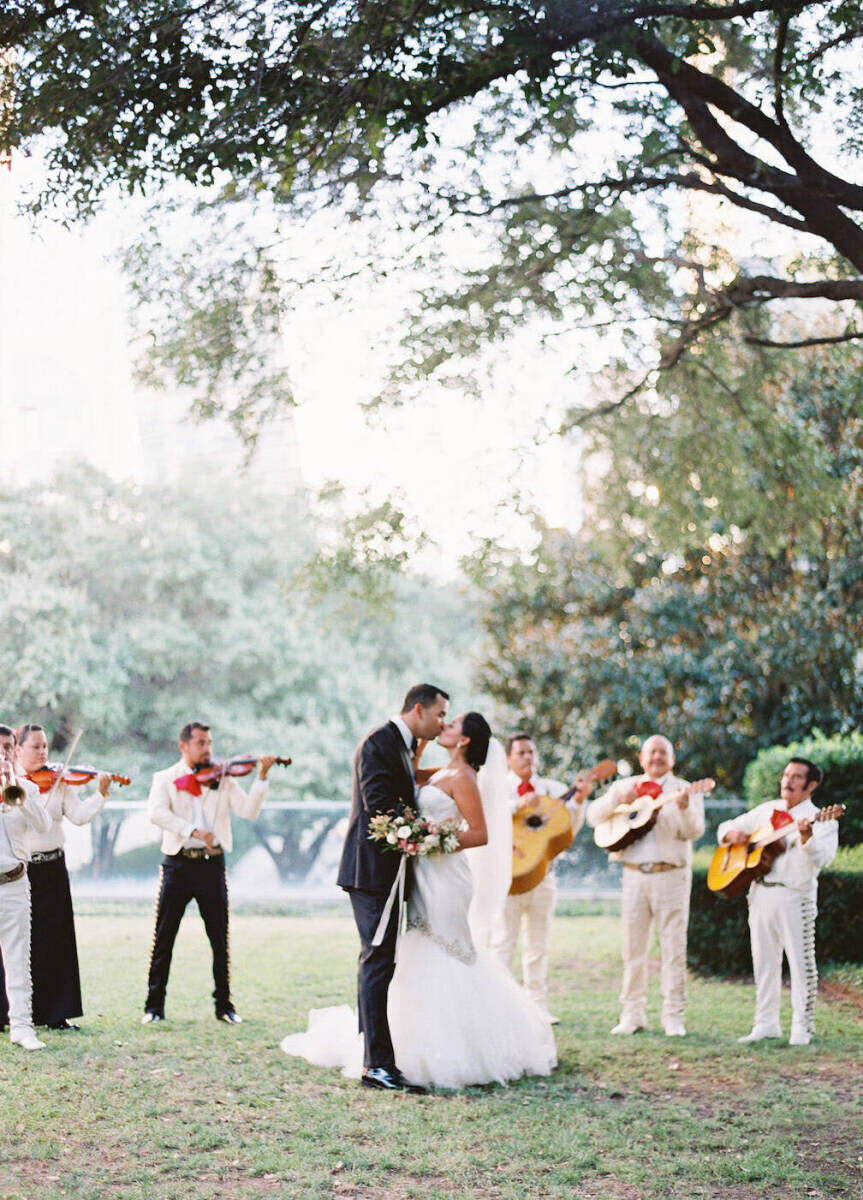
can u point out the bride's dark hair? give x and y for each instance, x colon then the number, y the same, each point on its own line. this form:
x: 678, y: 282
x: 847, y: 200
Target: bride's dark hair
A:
x: 476, y: 727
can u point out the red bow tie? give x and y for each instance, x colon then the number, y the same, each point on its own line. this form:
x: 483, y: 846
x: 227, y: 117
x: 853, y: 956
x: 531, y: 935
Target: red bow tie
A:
x: 524, y: 787
x: 781, y: 818
x: 187, y: 783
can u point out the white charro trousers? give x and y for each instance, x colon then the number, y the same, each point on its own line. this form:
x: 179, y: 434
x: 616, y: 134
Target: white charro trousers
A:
x: 530, y: 915
x: 661, y: 900
x: 782, y: 920
x: 15, y: 944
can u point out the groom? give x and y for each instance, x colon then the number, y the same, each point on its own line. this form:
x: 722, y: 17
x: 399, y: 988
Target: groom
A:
x: 383, y: 780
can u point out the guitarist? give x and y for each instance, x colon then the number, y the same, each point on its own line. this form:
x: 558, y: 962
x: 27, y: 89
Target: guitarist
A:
x: 657, y: 878
x: 782, y: 905
x: 531, y: 913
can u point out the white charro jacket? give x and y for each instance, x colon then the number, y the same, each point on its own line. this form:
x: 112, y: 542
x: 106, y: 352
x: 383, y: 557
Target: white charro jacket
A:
x: 25, y: 820
x: 798, y: 867
x: 172, y: 809
x: 676, y: 828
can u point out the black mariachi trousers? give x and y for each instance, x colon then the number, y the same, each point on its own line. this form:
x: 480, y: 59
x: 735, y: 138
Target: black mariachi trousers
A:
x: 53, y: 949
x: 181, y: 880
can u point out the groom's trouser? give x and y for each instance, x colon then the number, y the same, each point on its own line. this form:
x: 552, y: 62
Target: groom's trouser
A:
x: 376, y: 966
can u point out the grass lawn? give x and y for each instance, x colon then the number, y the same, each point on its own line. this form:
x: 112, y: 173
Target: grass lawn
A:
x: 194, y: 1109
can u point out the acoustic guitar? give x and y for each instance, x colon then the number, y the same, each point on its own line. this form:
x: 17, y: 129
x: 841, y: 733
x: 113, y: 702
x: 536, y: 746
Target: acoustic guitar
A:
x: 542, y: 829
x: 733, y: 868
x: 632, y: 820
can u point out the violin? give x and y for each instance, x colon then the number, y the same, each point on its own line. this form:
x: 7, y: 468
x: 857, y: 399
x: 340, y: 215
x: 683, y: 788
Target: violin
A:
x: 45, y: 777
x: 211, y: 773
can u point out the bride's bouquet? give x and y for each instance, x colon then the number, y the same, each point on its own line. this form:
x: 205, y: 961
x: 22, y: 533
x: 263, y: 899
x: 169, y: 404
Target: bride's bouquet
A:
x: 408, y: 832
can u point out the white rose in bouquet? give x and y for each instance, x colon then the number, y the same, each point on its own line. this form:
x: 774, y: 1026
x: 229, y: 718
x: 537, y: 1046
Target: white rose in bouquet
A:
x: 403, y: 831
x: 392, y: 839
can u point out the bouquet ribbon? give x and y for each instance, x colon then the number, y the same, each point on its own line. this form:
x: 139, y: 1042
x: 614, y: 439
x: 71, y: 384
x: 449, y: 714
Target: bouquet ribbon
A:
x: 398, y: 889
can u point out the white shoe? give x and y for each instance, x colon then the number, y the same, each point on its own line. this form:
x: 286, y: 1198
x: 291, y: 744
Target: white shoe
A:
x: 760, y: 1035
x: 674, y: 1029
x: 551, y: 1018
x: 799, y: 1037
x: 26, y: 1039
x: 626, y: 1027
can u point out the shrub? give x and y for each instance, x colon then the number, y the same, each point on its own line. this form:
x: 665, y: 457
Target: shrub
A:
x: 841, y: 759
x: 718, y: 941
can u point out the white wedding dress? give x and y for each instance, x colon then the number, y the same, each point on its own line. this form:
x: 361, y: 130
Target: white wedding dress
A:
x: 457, y: 1016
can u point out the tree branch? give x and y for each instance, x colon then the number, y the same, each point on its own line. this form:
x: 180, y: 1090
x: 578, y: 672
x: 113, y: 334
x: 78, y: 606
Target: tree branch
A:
x: 803, y: 342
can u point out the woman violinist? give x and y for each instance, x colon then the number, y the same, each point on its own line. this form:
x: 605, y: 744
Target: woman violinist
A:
x: 54, y: 953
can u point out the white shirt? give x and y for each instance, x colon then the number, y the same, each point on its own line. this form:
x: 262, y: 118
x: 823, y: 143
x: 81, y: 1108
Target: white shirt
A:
x: 65, y: 801
x: 405, y: 732
x: 200, y: 820
x: 797, y: 868
x: 670, y: 840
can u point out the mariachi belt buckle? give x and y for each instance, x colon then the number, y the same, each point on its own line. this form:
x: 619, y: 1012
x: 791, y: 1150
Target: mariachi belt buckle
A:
x: 647, y: 868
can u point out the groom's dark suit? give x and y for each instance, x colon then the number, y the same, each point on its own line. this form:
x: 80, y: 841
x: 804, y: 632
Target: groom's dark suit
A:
x: 383, y: 780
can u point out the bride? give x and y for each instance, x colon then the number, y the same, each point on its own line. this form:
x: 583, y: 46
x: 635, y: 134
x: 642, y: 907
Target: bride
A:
x: 456, y: 1015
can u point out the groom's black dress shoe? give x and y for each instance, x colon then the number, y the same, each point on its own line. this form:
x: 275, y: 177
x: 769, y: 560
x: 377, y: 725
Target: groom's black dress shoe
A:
x: 390, y: 1081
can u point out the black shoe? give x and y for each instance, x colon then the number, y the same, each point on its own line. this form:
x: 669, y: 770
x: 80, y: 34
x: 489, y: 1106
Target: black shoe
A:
x: 150, y: 1018
x: 230, y: 1017
x: 61, y: 1026
x: 413, y: 1089
x: 390, y: 1081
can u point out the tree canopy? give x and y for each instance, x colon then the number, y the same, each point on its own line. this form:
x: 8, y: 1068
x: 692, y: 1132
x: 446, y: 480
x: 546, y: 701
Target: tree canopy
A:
x: 617, y: 160
x: 717, y: 594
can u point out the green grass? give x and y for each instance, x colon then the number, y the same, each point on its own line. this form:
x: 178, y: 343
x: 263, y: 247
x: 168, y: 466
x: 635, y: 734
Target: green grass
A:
x: 193, y: 1109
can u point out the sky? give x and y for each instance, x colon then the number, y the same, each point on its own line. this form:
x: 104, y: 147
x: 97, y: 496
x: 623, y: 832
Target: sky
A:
x: 67, y: 394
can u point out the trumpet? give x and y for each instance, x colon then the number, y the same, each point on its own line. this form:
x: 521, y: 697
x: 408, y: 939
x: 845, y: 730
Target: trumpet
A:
x: 11, y: 792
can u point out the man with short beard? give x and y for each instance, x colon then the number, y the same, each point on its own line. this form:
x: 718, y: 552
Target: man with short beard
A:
x: 383, y: 780
x: 657, y: 879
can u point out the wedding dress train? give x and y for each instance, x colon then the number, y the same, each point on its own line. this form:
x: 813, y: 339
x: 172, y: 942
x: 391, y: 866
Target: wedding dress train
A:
x: 457, y: 1016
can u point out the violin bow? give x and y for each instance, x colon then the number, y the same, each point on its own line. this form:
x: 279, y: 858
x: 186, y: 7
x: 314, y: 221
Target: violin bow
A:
x: 75, y: 740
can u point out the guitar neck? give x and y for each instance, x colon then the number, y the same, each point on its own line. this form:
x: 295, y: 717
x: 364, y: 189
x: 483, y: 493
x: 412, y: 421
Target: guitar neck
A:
x: 784, y: 830
x: 695, y: 789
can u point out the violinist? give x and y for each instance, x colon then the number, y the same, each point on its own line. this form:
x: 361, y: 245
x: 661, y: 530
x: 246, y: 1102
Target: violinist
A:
x: 21, y: 814
x: 192, y: 805
x: 54, y: 955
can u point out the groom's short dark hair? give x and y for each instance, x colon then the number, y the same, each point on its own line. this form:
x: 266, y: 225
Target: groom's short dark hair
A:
x: 424, y: 694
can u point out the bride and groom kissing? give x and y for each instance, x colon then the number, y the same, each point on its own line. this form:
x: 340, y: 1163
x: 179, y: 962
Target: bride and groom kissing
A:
x: 435, y: 1007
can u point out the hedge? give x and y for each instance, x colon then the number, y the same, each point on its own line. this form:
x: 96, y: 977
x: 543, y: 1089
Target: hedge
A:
x: 841, y: 759
x: 718, y: 942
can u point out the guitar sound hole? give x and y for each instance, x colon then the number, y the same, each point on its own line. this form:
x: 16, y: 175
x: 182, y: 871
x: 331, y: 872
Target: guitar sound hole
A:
x: 534, y: 822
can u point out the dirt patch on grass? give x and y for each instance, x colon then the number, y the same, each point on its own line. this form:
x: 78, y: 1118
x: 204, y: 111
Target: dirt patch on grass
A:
x: 605, y: 1187
x: 844, y: 993
x: 236, y: 1184
x: 402, y: 1187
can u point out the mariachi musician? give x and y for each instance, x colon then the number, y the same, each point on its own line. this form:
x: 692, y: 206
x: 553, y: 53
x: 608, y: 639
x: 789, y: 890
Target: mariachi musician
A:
x: 195, y: 819
x: 21, y: 814
x: 531, y: 912
x: 783, y: 903
x: 54, y: 953
x: 657, y: 880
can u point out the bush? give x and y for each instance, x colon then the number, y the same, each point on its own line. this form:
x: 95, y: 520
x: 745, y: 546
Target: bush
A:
x: 718, y: 942
x: 841, y: 759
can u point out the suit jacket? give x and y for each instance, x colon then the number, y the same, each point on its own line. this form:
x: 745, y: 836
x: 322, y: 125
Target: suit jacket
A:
x: 383, y: 779
x: 171, y: 808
